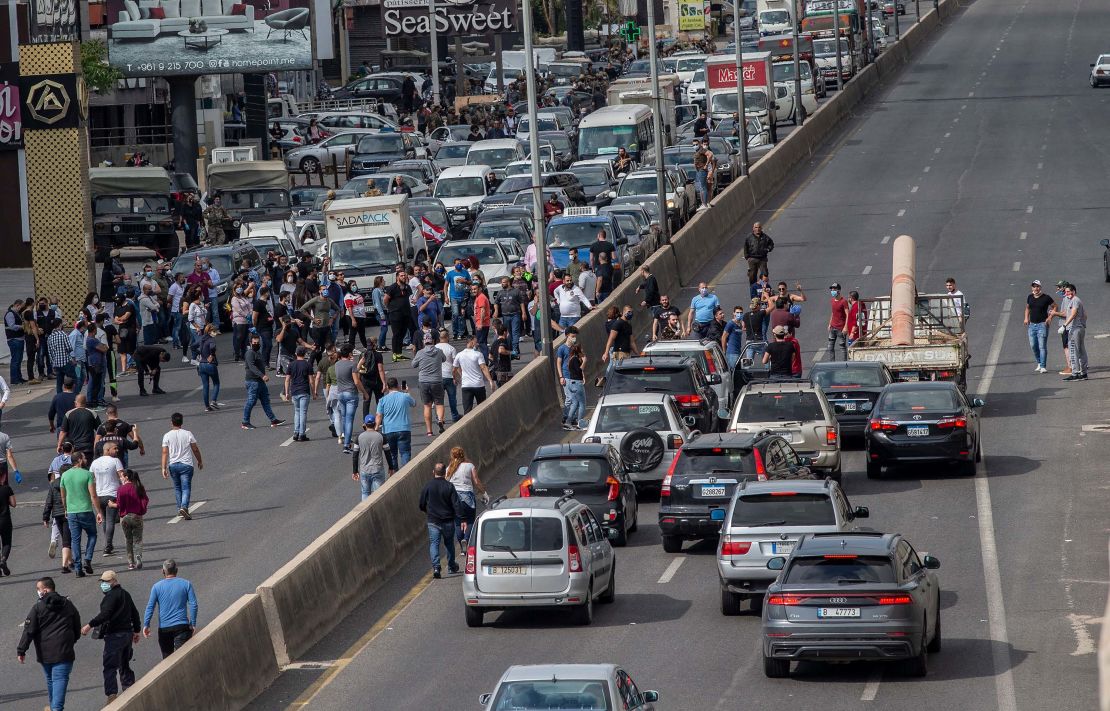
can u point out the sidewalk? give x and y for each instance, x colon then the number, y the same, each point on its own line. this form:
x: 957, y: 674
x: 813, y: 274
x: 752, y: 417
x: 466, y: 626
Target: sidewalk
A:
x: 14, y: 284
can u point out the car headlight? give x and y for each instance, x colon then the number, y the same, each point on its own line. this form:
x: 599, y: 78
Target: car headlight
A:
x: 670, y: 204
x: 725, y: 166
x: 235, y: 224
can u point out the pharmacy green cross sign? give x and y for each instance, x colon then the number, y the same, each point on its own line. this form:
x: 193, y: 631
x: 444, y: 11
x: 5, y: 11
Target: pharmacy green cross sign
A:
x: 630, y: 31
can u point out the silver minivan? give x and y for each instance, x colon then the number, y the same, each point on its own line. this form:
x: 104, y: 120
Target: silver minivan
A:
x: 538, y: 552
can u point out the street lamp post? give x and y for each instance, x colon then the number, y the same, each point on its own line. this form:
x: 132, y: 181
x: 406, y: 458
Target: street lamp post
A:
x: 741, y: 119
x: 537, y: 187
x: 836, y: 33
x: 657, y: 127
x: 897, y: 31
x: 435, y: 51
x: 871, y: 34
x: 800, y: 110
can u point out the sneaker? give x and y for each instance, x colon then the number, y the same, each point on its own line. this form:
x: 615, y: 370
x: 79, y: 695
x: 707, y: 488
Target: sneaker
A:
x: 142, y: 393
x: 1042, y: 369
x: 568, y: 427
x: 1036, y: 368
x: 109, y: 551
x: 453, y: 570
x: 436, y: 574
x: 1074, y: 376
x: 209, y: 409
x: 194, y: 362
x: 53, y: 549
x: 439, y: 424
x: 331, y: 428
x: 1081, y: 376
x: 247, y: 426
x: 88, y: 567
x: 4, y: 569
x: 218, y: 405
x: 158, y: 391
x: 346, y: 450
x: 304, y: 438
x: 185, y: 361
x: 276, y: 423
x: 184, y: 513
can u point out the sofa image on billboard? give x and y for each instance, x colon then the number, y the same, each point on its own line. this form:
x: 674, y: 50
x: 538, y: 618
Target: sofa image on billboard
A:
x: 167, y: 37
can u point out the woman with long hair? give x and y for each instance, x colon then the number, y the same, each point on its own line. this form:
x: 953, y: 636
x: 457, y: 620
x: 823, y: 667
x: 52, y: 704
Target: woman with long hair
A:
x: 32, y: 342
x: 132, y: 501
x: 355, y: 306
x: 209, y: 368
x: 576, y: 385
x: 464, y: 477
x: 378, y: 297
x: 91, y: 307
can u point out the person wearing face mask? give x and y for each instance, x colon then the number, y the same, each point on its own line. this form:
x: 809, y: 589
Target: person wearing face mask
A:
x: 53, y: 625
x: 620, y: 344
x: 732, y: 338
x: 241, y: 308
x: 702, y: 308
x: 838, y: 323
x: 119, y: 626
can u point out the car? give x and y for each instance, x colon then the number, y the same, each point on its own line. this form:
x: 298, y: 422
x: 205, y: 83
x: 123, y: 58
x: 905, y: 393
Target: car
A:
x: 226, y: 259
x: 565, y: 153
x: 432, y: 209
x: 578, y: 232
x: 708, y: 354
x: 495, y: 153
x: 294, y: 132
x: 572, y: 98
x: 889, y: 7
x: 525, y: 199
x: 698, y: 486
x: 512, y: 229
x: 681, y: 377
x: 496, y: 258
x: 452, y: 154
x: 461, y: 189
x: 597, y: 179
x: 335, y: 122
x: 539, y: 687
x: 511, y: 186
x: 374, y: 151
x: 538, y: 552
x: 508, y: 212
x: 508, y: 76
x: 642, y: 68
x: 647, y: 203
x: 422, y: 169
x: 360, y: 184
x: 648, y: 229
x: 315, y: 210
x: 799, y: 412
x: 843, y: 597
x: 383, y: 86
x: 1100, y: 71
x: 270, y: 236
x: 524, y: 167
x: 594, y: 474
x: 647, y: 429
x: 923, y: 422
x: 1106, y: 258
x: 766, y: 519
x: 641, y: 240
x: 547, y: 121
x: 301, y: 197
x: 852, y: 388
x: 448, y: 134
x: 313, y: 157
x: 643, y: 182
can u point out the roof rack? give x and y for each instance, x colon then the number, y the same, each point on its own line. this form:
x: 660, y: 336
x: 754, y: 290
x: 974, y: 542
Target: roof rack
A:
x: 563, y: 499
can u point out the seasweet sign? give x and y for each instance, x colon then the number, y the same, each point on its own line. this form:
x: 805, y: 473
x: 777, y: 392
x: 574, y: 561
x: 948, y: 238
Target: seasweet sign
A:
x: 723, y: 76
x: 452, y: 17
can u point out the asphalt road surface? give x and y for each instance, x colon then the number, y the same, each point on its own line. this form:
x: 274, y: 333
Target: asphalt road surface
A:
x: 990, y: 151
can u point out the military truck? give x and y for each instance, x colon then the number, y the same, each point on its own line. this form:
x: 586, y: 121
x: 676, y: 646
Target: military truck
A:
x: 132, y: 207
x: 250, y: 191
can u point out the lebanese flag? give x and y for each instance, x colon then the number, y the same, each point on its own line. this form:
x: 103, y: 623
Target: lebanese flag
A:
x: 431, y: 231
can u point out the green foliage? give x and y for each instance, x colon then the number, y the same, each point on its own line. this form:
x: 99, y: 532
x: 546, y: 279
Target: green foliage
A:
x: 99, y: 76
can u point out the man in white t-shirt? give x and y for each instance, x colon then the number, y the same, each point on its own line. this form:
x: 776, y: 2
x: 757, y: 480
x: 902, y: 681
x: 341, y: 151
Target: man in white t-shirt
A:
x: 107, y: 470
x: 571, y: 299
x: 447, y: 371
x: 473, y: 374
x: 180, y: 456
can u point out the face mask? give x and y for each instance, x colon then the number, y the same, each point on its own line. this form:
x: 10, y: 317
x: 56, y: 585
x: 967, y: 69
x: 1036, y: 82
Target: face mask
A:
x: 628, y: 316
x: 331, y: 277
x: 290, y: 280
x: 150, y: 274
x: 571, y: 340
x: 256, y: 346
x: 1059, y: 292
x: 239, y: 290
x: 833, y: 293
x: 440, y: 271
x: 105, y: 587
x: 737, y: 315
x: 40, y: 593
x: 704, y: 292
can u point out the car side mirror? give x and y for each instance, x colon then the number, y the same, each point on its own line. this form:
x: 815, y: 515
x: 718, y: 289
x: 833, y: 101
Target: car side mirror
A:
x: 978, y: 402
x: 713, y: 378
x: 650, y: 696
x: 1105, y: 243
x: 690, y: 421
x: 861, y: 512
x: 1092, y: 65
x: 932, y: 563
x: 645, y: 231
x: 723, y: 413
x: 484, y: 699
x: 776, y: 563
x: 522, y: 471
x: 747, y: 362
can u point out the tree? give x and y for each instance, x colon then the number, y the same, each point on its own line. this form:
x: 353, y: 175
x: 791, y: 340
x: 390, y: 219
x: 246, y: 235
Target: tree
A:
x: 99, y: 75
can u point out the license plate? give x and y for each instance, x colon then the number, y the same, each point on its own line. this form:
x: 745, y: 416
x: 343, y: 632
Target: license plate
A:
x: 919, y: 431
x: 783, y: 548
x: 788, y: 436
x: 850, y: 406
x: 713, y: 491
x: 909, y: 376
x: 507, y: 569
x: 838, y: 612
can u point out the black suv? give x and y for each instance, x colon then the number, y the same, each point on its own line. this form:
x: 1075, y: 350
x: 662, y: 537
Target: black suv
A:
x: 679, y: 376
x: 591, y: 473
x: 852, y: 388
x: 699, y: 485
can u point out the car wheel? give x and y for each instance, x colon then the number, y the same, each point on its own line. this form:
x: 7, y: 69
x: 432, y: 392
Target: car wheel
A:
x: 309, y: 165
x: 874, y: 470
x: 918, y: 665
x: 776, y: 668
x: 610, y: 593
x: 978, y: 452
x: 584, y: 613
x: 474, y: 616
x: 622, y: 537
x: 672, y: 544
x: 730, y: 603
x: 969, y: 468
x: 1094, y: 84
x: 635, y: 520
x: 934, y: 645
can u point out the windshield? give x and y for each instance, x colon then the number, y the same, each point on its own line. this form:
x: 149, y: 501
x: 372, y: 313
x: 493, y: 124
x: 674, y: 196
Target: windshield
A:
x: 558, y: 141
x: 577, y: 234
x: 628, y: 224
x: 781, y: 407
x: 258, y: 199
x: 517, y: 169
x: 784, y: 508
x: 318, y: 203
x: 919, y: 400
x: 493, y: 157
x: 531, y: 533
x: 123, y: 205
x: 381, y: 143
x: 699, y: 76
x: 704, y: 461
x: 775, y: 17
x: 592, y: 177
x: 848, y: 378
x: 515, y: 184
x: 572, y: 470
x: 754, y: 101
x: 221, y: 262
x: 827, y: 47
x: 602, y: 140
x: 364, y: 252
x: 500, y: 230
x: 638, y: 185
x: 487, y: 254
x: 640, y: 66
x: 564, y: 70
x: 625, y: 418
x: 453, y: 151
x: 413, y: 172
x: 668, y: 65
x: 552, y: 695
x: 651, y: 207
x: 459, y: 187
x: 689, y: 64
x: 822, y: 570
x: 654, y: 379
x: 639, y: 218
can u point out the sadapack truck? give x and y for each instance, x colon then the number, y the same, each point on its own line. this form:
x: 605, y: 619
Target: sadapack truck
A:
x: 368, y: 236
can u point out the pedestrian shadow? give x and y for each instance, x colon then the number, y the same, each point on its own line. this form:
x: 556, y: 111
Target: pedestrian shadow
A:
x: 1019, y: 404
x: 959, y: 659
x: 41, y: 694
x: 630, y: 608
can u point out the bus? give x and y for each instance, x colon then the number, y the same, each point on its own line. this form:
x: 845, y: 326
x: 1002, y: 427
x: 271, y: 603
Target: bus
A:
x: 603, y: 132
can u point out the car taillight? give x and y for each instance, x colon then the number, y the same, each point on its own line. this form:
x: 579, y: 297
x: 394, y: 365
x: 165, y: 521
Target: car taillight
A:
x: 831, y: 436
x: 688, y: 400
x: 298, y: 139
x: 896, y: 600
x: 614, y: 488
x: 952, y: 423
x: 526, y: 487
x: 760, y: 470
x: 709, y: 362
x: 471, y: 560
x: 731, y: 547
x: 784, y: 600
x: 573, y: 560
x: 674, y: 441
x: 665, y: 490
x: 884, y: 425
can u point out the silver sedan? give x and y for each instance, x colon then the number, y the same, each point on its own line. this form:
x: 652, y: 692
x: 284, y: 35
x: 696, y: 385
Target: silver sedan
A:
x: 309, y: 159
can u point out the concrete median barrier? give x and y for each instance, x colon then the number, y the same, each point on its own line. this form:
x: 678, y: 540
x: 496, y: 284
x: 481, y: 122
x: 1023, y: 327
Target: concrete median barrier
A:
x: 227, y: 664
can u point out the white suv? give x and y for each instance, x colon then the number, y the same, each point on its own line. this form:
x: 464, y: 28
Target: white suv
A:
x: 647, y: 429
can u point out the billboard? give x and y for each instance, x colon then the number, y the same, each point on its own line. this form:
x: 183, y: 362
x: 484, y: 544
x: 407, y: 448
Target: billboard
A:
x: 54, y: 21
x: 723, y: 76
x: 453, y: 17
x: 11, y: 122
x: 691, y: 15
x: 193, y: 37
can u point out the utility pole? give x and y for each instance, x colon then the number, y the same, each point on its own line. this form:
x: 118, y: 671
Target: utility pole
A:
x: 435, y: 51
x: 800, y: 108
x: 741, y: 119
x: 657, y: 126
x: 836, y: 31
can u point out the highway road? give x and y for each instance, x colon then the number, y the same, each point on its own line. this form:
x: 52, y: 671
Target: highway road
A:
x: 990, y: 150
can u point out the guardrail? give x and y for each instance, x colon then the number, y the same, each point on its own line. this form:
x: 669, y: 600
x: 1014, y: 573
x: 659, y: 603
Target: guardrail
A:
x: 237, y: 655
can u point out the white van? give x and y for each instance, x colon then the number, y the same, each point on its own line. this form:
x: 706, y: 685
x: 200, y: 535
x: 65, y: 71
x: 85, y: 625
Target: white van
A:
x: 606, y: 130
x: 496, y: 153
x: 461, y: 189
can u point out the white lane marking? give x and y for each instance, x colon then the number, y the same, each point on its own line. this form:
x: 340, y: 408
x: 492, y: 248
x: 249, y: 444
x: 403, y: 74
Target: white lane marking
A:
x: 956, y: 120
x: 1017, y: 266
x: 886, y: 238
x: 818, y: 356
x: 1029, y: 209
x: 926, y: 169
x: 937, y: 150
x: 1023, y: 235
x: 1040, y: 165
x: 914, y: 189
x: 192, y: 508
x: 867, y: 269
x: 286, y: 443
x: 1084, y: 642
x: 871, y: 689
x: 996, y: 607
x: 970, y: 94
x: 195, y: 390
x: 670, y: 571
x: 902, y: 212
x: 947, y: 134
x: 1036, y: 186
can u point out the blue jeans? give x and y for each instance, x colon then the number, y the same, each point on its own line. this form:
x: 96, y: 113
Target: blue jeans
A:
x: 214, y: 312
x: 257, y: 392
x: 483, y: 341
x: 512, y: 322
x: 267, y: 336
x: 442, y: 533
x: 78, y: 522
x: 95, y: 391
x: 182, y: 476
x: 458, y: 317
x: 57, y: 681
x: 567, y: 321
x: 701, y: 185
x: 209, y: 373
x: 452, y: 397
x: 400, y: 448
x: 175, y: 328
x: 1038, y: 341
x: 15, y: 347
x: 300, y: 413
x: 150, y: 334
x: 348, y: 406
x: 732, y: 359
x: 575, y: 407
x: 370, y: 483
x: 470, y: 507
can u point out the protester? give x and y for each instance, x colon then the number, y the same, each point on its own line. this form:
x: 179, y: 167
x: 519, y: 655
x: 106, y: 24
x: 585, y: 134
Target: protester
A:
x: 83, y: 512
x: 180, y: 459
x: 392, y: 417
x: 370, y: 462
x: 257, y: 391
x: 177, y: 610
x: 464, y: 477
x: 441, y: 504
x: 53, y: 625
x: 132, y: 502
x: 117, y: 625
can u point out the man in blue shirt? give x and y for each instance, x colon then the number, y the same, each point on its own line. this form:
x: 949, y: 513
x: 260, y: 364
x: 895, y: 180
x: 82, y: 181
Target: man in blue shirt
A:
x: 177, y: 609
x: 562, y: 355
x: 732, y: 340
x: 77, y: 348
x: 395, y: 424
x: 702, y: 307
x: 458, y: 290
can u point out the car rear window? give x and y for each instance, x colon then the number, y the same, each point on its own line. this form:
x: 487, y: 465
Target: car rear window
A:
x: 650, y: 379
x: 553, y: 694
x: 569, y: 471
x: 919, y: 400
x: 843, y: 569
x: 782, y: 407
x: 698, y: 355
x: 704, y: 461
x: 784, y: 508
x: 523, y: 533
x: 625, y: 418
x: 848, y: 377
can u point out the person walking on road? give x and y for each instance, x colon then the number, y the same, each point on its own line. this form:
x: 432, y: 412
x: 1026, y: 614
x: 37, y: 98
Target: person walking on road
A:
x: 83, y: 512
x: 838, y: 323
x: 208, y: 368
x: 298, y: 389
x: 257, y: 391
x: 446, y: 371
x: 1037, y: 307
x: 779, y: 354
x: 132, y: 502
x: 7, y: 460
x: 350, y: 388
x: 1061, y: 312
x: 392, y: 417
x: 732, y: 338
x: 107, y: 471
x: 369, y: 459
x: 472, y: 372
x: 53, y: 625
x: 649, y: 285
x: 441, y: 505
x: 702, y: 308
x: 54, y: 514
x: 118, y: 625
x: 464, y: 477
x: 177, y: 609
x: 757, y: 248
x: 7, y: 503
x: 1075, y: 325
x: 571, y: 299
x: 180, y: 458
x: 428, y: 363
